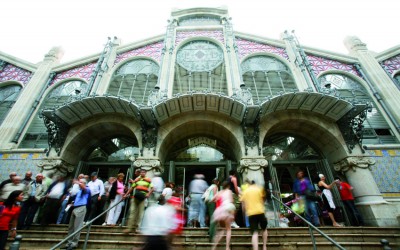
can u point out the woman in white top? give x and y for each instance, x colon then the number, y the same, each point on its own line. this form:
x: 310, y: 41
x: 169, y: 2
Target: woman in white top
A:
x: 327, y: 197
x: 168, y: 190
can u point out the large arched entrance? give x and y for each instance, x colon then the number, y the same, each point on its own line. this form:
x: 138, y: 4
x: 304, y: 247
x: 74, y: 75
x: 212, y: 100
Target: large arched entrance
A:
x: 296, y: 141
x: 199, y: 143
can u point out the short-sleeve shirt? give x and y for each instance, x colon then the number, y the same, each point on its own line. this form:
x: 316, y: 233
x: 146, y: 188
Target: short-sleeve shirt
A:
x: 7, y: 216
x: 143, y: 184
x: 345, y: 191
x: 253, y: 198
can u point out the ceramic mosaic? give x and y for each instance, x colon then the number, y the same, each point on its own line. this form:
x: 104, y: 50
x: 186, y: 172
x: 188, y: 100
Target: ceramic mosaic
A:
x: 13, y: 73
x: 83, y: 72
x: 320, y: 64
x: 386, y: 170
x: 152, y: 50
x: 392, y: 64
x: 215, y: 34
x: 19, y: 163
x: 246, y: 47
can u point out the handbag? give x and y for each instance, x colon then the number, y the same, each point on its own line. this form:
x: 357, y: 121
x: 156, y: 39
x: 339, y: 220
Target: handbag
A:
x: 139, y: 195
x: 312, y: 195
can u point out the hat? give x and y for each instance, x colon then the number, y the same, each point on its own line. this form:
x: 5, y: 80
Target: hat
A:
x: 321, y: 175
x: 94, y: 174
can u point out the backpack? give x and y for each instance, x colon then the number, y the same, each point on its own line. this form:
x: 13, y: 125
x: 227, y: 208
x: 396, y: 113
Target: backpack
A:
x: 208, y: 194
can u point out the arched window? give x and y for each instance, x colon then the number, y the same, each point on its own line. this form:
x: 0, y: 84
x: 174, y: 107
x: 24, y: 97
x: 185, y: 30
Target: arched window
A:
x: 200, y: 67
x: 266, y: 77
x: 36, y: 136
x: 397, y: 78
x: 135, y: 80
x: 8, y: 96
x: 376, y: 128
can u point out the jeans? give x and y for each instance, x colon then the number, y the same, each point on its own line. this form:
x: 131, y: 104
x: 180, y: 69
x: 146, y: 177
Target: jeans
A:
x: 311, y: 212
x: 356, y: 219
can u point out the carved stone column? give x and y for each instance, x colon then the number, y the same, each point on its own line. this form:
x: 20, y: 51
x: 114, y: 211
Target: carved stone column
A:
x: 51, y: 167
x: 151, y: 165
x: 252, y: 168
x: 375, y: 210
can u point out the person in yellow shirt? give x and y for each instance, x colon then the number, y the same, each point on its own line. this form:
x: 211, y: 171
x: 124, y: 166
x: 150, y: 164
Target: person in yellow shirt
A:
x: 253, y: 199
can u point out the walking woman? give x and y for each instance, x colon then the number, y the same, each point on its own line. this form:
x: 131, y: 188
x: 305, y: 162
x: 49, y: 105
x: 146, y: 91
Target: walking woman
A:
x: 116, y: 195
x: 224, y: 214
x: 327, y: 197
x: 9, y: 216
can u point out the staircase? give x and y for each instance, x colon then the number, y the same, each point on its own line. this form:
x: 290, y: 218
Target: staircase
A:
x: 294, y: 238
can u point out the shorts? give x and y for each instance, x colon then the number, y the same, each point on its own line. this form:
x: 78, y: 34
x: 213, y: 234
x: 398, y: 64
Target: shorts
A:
x: 257, y: 219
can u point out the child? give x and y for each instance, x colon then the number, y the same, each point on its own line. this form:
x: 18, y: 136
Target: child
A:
x: 283, y: 221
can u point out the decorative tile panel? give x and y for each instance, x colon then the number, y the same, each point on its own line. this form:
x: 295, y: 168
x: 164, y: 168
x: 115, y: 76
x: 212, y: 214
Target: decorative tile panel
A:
x: 84, y: 72
x: 320, y: 64
x: 13, y: 73
x: 19, y: 163
x: 392, y: 64
x: 215, y: 34
x: 386, y: 171
x: 246, y: 47
x: 152, y: 50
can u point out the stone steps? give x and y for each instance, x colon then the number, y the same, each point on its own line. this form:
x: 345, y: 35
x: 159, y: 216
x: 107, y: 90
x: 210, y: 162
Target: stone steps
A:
x: 279, y: 238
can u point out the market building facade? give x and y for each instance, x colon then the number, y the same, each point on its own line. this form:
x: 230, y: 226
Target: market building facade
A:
x: 202, y: 98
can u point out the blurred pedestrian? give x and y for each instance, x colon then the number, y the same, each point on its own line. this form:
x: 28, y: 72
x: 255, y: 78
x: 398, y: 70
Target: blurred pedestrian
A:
x: 9, y: 216
x: 254, y: 198
x: 197, y: 207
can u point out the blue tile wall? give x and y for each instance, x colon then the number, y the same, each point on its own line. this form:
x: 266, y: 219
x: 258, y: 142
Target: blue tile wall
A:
x: 386, y: 170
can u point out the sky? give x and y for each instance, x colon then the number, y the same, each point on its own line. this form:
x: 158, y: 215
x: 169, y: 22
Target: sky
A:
x: 30, y: 28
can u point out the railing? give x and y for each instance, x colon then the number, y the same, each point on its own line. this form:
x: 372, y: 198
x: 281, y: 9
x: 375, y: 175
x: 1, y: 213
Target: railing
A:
x: 88, y: 225
x: 311, y: 227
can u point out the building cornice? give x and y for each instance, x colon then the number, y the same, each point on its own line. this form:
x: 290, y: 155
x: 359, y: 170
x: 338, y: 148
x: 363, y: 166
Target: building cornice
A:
x: 389, y: 53
x: 18, y: 62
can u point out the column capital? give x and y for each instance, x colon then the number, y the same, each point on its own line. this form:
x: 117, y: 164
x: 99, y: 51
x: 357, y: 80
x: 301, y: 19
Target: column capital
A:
x: 354, y: 162
x: 252, y: 164
x: 149, y: 164
x: 55, y: 166
x: 354, y: 43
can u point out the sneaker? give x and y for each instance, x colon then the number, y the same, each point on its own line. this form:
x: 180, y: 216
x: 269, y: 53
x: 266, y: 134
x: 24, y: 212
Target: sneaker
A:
x: 234, y: 225
x: 104, y: 224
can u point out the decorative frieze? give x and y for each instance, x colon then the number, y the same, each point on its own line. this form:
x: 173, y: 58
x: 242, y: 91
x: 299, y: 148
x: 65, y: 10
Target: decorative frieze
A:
x: 354, y: 162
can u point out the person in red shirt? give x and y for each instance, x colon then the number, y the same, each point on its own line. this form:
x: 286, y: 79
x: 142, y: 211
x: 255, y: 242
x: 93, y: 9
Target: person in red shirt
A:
x: 348, y: 200
x: 9, y: 216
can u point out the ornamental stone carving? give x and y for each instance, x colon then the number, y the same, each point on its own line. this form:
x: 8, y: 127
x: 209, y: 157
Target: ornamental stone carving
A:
x: 52, y: 167
x: 148, y: 164
x: 354, y: 162
x: 252, y: 164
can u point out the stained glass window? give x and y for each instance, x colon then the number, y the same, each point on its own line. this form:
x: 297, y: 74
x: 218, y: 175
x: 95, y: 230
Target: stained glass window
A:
x: 376, y: 128
x: 135, y: 80
x: 266, y: 77
x: 36, y: 136
x: 8, y: 96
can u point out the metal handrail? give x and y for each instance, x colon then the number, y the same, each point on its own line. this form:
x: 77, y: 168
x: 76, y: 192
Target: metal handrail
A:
x: 311, y: 227
x: 88, y: 225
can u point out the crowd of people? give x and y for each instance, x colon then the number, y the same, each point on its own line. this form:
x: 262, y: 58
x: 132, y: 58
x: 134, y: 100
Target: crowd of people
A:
x: 156, y: 209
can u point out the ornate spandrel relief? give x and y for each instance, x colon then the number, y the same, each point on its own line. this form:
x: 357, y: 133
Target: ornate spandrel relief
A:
x: 354, y: 162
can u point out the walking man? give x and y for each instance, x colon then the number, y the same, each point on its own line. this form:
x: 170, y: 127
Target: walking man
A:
x: 142, y: 189
x: 253, y: 198
x: 96, y: 187
x: 348, y: 200
x: 78, y: 213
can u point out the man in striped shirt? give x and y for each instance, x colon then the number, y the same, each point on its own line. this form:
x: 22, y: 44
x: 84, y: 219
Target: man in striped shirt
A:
x: 142, y: 190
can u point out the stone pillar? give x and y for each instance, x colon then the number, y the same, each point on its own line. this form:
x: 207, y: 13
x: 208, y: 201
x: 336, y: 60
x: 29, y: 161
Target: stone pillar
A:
x: 107, y: 67
x: 151, y: 165
x: 375, y: 210
x: 28, y: 99
x: 385, y: 90
x: 303, y: 80
x: 252, y: 168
